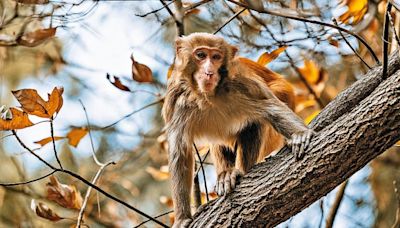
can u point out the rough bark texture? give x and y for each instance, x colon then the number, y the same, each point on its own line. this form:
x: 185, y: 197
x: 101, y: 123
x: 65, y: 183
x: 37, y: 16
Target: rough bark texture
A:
x: 355, y: 128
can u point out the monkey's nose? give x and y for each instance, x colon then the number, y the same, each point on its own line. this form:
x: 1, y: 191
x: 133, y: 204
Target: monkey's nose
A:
x: 209, y: 74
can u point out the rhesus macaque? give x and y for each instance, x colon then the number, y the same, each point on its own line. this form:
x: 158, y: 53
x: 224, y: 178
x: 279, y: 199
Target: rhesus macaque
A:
x: 240, y: 108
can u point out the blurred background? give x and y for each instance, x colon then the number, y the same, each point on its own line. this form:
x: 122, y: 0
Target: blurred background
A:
x: 92, y: 49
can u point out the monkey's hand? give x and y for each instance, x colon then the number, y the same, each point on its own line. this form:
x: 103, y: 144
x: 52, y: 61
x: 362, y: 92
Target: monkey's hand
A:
x: 182, y: 223
x: 299, y: 142
x: 226, y: 181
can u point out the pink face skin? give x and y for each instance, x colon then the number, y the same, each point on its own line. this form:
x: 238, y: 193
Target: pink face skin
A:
x: 208, y: 61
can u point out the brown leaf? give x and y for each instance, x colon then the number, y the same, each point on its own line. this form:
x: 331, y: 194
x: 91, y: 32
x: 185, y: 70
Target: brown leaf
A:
x: 33, y: 104
x: 167, y: 201
x: 48, y: 139
x: 194, y: 11
x: 158, y: 174
x: 117, y: 83
x: 333, y: 42
x: 42, y: 210
x: 356, y: 11
x: 32, y: 39
x: 65, y: 195
x: 33, y: 1
x: 75, y: 136
x: 141, y: 72
x: 19, y: 120
x: 266, y: 57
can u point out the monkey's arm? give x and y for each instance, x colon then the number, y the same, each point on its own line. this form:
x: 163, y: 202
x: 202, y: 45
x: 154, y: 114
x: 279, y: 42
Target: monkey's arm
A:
x: 286, y: 122
x: 181, y: 163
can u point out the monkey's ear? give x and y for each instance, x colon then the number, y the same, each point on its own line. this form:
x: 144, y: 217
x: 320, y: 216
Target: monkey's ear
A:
x: 234, y: 50
x: 178, y: 44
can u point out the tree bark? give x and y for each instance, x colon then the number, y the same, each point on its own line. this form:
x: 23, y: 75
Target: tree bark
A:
x: 361, y: 123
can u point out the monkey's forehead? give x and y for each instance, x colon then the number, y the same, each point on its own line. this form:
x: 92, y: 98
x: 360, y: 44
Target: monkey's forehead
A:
x: 205, y: 39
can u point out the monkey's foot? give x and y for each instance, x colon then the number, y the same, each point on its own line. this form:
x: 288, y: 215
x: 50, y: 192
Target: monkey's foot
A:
x: 226, y: 181
x: 182, y: 223
x: 299, y: 143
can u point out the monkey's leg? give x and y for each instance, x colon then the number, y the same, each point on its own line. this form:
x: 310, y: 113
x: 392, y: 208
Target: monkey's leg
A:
x: 249, y: 141
x: 224, y: 162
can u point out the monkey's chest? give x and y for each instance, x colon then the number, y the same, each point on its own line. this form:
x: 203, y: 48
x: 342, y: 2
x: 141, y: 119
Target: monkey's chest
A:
x: 218, y: 126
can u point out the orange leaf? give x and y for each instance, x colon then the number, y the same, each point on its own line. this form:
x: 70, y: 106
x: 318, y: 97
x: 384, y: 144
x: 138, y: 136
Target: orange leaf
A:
x: 19, y: 120
x: 167, y: 201
x: 266, y: 57
x: 48, y: 139
x: 42, y: 210
x: 65, y: 195
x: 194, y: 11
x: 117, y: 83
x: 159, y: 175
x: 310, y: 71
x: 37, y: 37
x: 170, y: 69
x: 356, y: 11
x: 333, y: 42
x: 33, y: 104
x: 141, y: 72
x: 75, y: 136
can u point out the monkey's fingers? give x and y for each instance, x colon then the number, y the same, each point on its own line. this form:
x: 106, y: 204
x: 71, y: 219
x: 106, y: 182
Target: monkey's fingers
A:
x: 302, y: 146
x: 219, y: 187
x: 296, y: 145
x: 227, y: 183
x: 308, y: 138
x: 236, y: 174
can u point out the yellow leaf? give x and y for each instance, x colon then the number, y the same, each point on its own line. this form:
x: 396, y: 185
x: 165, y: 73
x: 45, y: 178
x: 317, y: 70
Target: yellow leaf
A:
x: 311, y: 117
x: 300, y: 106
x: 65, y: 195
x: 266, y: 57
x: 160, y: 175
x: 170, y: 69
x: 37, y: 37
x: 75, y: 136
x: 310, y: 71
x: 33, y: 104
x: 356, y: 11
x: 141, y: 72
x: 48, y: 139
x: 19, y: 120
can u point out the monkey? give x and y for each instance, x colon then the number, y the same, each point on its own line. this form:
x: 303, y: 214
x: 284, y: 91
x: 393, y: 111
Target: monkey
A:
x: 241, y: 109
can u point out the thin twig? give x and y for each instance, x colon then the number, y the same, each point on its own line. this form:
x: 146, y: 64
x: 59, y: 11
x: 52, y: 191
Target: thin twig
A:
x: 202, y: 169
x: 94, y: 181
x: 146, y: 221
x: 275, y: 13
x: 195, y: 5
x: 54, y: 142
x: 351, y: 47
x: 90, y: 135
x: 205, y: 157
x: 385, y: 48
x: 394, y: 29
x: 196, y: 191
x: 77, y: 176
x: 28, y: 182
x: 229, y: 20
x: 336, y: 204
x: 154, y: 11
x: 134, y: 112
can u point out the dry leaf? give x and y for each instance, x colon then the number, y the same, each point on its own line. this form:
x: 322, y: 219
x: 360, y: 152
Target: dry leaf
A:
x: 117, y: 83
x: 194, y: 11
x: 310, y: 71
x: 33, y: 104
x: 167, y: 201
x: 75, y: 136
x: 356, y: 11
x: 19, y: 120
x: 333, y: 41
x: 37, y: 37
x: 159, y: 175
x: 42, y: 210
x: 266, y: 57
x: 32, y: 1
x: 48, y: 139
x: 65, y: 195
x: 141, y: 72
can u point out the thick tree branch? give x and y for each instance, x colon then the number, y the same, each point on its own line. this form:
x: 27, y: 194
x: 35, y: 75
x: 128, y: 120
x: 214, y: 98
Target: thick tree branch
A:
x: 348, y: 138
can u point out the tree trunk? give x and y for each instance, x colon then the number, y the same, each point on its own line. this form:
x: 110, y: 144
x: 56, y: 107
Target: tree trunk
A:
x: 361, y: 123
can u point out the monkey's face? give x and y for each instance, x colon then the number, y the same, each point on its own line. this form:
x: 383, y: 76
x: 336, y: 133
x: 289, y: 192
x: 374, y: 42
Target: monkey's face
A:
x: 208, y: 61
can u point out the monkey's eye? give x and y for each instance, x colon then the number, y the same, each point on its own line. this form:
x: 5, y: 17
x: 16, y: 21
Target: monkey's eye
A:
x: 216, y: 57
x: 201, y: 55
